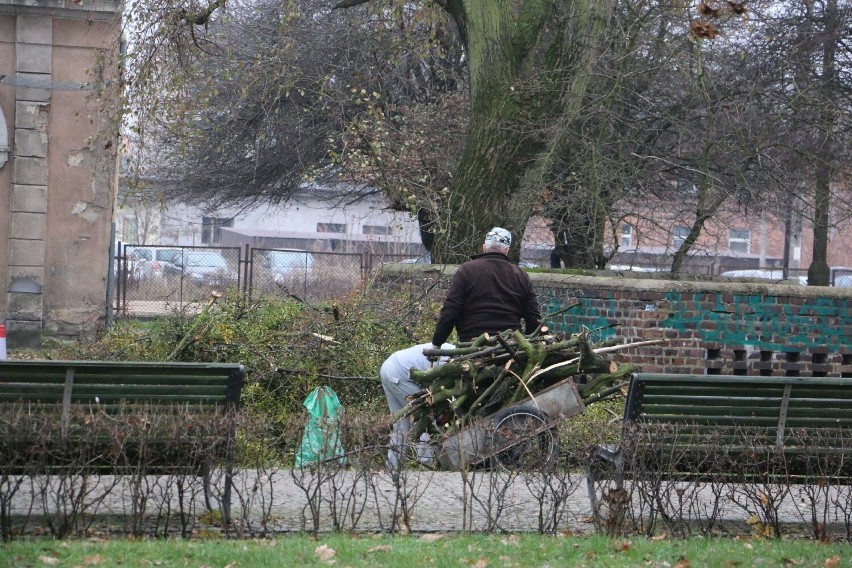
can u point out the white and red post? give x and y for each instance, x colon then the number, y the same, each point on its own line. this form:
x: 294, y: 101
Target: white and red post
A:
x: 2, y: 342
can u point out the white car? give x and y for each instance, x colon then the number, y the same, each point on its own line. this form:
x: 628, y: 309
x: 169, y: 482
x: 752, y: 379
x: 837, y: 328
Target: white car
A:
x: 284, y: 264
x: 208, y: 268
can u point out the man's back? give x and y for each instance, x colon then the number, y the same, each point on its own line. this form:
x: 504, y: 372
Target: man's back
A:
x: 488, y: 294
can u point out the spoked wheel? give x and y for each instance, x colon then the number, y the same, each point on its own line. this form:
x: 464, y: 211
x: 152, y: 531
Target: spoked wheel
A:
x: 523, y: 439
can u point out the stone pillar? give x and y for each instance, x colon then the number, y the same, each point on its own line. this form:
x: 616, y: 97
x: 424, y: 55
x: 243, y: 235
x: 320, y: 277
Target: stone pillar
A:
x: 28, y: 204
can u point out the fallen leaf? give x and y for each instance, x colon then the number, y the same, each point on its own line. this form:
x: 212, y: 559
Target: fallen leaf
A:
x: 682, y: 563
x: 325, y: 552
x: 431, y: 537
x: 748, y: 546
x: 91, y: 560
x: 833, y: 562
x: 380, y: 548
x: 481, y: 563
x: 658, y: 537
x: 234, y: 563
x: 789, y: 562
x: 511, y: 540
x: 622, y: 546
x: 49, y: 560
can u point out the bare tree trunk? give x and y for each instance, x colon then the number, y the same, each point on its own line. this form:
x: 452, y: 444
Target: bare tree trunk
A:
x: 523, y: 70
x: 819, y: 272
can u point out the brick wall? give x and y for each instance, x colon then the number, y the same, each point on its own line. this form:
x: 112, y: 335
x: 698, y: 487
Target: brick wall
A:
x: 707, y: 326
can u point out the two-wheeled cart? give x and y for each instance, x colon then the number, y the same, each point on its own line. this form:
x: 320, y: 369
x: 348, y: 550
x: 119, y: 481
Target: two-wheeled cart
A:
x: 519, y: 436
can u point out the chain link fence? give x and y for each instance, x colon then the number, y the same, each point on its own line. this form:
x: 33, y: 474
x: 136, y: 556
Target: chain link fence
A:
x: 153, y: 280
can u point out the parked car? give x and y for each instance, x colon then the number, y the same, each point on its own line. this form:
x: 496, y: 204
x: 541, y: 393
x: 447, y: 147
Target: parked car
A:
x: 167, y: 261
x: 284, y: 264
x: 150, y: 261
x: 207, y: 268
x: 137, y: 264
x: 634, y: 268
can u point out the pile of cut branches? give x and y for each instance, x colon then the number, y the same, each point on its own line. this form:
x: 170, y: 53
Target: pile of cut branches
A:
x: 493, y: 372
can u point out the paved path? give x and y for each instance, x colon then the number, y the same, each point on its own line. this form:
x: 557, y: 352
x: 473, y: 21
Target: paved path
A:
x: 291, y: 500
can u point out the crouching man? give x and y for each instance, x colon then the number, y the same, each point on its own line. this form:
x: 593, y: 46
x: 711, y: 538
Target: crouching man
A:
x: 397, y: 384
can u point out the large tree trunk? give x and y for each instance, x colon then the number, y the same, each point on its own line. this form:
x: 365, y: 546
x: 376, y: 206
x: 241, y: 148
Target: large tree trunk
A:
x: 524, y: 65
x: 819, y: 273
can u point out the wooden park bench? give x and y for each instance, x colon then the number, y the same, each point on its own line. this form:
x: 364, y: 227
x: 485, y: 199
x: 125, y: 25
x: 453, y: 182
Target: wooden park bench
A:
x: 120, y: 418
x: 718, y: 428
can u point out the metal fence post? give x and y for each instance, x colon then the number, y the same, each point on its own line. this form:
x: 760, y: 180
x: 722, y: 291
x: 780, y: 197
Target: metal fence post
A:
x: 244, y: 264
x: 120, y: 280
x: 366, y: 264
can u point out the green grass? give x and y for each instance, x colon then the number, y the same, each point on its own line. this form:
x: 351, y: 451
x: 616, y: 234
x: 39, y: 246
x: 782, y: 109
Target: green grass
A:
x: 433, y: 550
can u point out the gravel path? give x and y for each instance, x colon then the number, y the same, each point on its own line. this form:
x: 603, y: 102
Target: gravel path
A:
x: 297, y: 500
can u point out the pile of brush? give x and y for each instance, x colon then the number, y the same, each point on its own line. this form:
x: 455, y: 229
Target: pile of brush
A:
x: 491, y: 372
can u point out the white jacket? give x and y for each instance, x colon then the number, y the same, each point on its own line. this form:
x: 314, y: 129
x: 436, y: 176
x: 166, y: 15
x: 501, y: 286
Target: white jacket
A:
x: 397, y: 367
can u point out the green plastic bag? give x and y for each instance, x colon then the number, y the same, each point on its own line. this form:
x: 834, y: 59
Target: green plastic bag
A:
x: 321, y: 440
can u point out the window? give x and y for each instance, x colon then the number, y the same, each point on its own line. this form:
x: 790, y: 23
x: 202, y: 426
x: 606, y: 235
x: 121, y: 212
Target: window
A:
x: 377, y: 230
x: 331, y: 228
x: 626, y: 236
x: 740, y: 241
x: 211, y: 229
x: 130, y: 230
x: 679, y: 235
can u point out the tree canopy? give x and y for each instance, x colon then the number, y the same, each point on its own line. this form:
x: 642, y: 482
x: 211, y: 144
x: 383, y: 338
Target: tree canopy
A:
x: 474, y: 113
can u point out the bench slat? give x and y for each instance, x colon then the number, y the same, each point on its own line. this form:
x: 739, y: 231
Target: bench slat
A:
x: 741, y: 381
x: 795, y: 414
x: 712, y: 433
x: 117, y: 379
x: 755, y: 395
x: 106, y: 395
x: 153, y: 390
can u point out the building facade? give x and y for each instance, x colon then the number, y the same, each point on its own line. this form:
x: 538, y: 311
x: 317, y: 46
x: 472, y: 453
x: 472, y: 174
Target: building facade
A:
x: 58, y: 61
x: 731, y: 240
x: 318, y: 219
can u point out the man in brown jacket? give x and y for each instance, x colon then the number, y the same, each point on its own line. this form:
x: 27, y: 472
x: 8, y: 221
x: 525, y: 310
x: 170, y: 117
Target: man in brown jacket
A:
x: 488, y: 294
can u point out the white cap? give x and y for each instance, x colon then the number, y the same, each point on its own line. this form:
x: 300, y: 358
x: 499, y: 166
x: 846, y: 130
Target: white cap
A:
x: 499, y: 235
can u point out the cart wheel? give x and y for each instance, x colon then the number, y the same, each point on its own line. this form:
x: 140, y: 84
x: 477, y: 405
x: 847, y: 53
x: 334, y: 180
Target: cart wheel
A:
x: 523, y: 439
